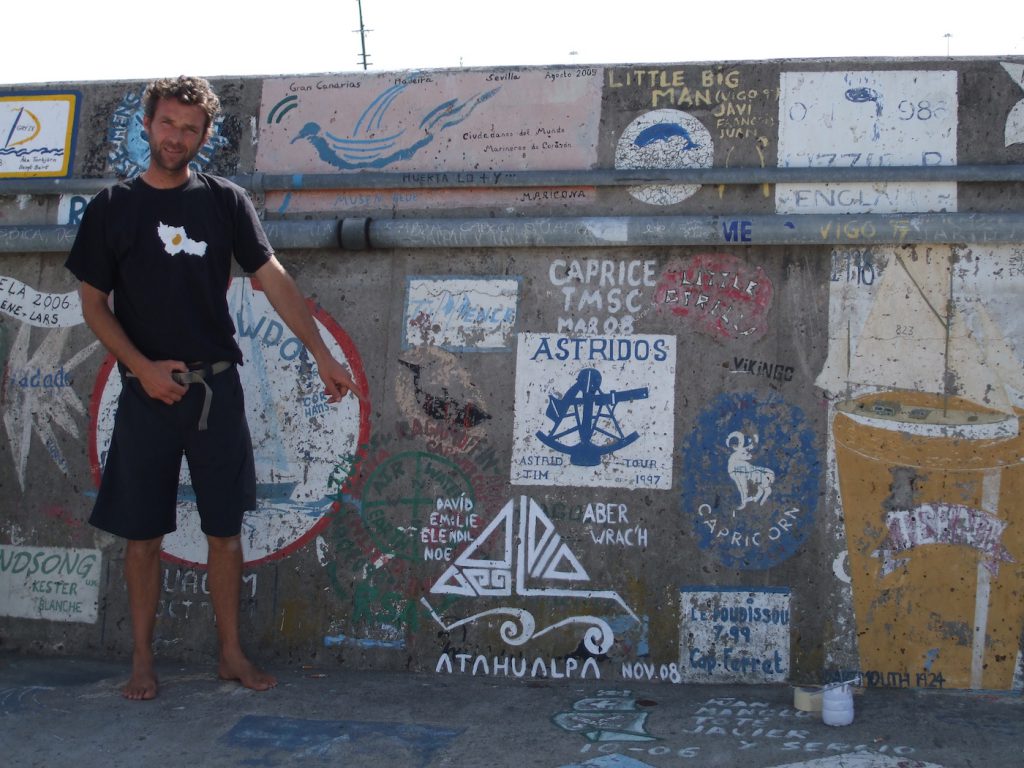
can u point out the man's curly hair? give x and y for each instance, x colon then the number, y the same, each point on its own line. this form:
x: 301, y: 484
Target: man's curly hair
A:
x: 188, y: 90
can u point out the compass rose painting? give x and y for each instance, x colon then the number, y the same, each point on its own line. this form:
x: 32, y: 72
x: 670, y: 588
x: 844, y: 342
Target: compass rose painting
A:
x: 594, y: 411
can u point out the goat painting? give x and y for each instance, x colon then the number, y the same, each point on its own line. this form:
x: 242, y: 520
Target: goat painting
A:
x: 753, y: 482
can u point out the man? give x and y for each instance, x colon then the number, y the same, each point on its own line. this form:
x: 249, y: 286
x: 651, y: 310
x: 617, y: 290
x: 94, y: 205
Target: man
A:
x: 162, y: 245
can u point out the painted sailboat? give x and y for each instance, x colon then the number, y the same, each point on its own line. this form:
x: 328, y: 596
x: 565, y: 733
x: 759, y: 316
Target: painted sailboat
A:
x: 920, y: 338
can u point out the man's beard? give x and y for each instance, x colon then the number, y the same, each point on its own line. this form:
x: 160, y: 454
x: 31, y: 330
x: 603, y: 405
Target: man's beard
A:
x: 161, y: 160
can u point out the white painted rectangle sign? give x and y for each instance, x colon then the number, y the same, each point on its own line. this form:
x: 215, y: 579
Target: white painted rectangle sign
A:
x: 49, y: 583
x: 37, y: 133
x: 460, y: 314
x: 594, y: 411
x: 867, y: 119
x: 734, y: 634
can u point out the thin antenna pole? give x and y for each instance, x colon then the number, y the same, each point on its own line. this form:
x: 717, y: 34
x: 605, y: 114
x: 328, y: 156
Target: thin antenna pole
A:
x: 950, y: 309
x: 362, y: 35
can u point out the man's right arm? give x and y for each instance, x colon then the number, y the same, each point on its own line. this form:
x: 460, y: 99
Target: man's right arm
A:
x: 153, y: 375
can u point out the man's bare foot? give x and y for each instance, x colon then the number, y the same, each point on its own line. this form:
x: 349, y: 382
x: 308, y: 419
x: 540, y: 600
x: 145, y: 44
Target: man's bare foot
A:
x: 143, y: 684
x: 246, y: 673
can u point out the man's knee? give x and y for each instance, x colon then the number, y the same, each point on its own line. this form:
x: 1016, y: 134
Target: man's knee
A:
x: 143, y: 548
x: 224, y: 544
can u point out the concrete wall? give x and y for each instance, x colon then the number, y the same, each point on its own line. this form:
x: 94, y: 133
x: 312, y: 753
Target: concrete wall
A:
x: 737, y: 458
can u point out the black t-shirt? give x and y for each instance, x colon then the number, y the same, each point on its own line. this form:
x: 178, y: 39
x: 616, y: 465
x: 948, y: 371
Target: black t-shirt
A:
x: 166, y: 256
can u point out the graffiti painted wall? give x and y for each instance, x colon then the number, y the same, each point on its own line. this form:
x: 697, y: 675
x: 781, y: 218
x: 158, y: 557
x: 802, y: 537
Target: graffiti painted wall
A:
x: 688, y: 463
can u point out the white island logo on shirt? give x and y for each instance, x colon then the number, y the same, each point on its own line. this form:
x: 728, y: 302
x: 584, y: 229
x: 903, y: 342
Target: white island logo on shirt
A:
x: 176, y: 240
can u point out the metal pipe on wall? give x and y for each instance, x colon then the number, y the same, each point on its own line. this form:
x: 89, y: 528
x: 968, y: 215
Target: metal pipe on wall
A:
x: 356, y: 234
x: 725, y: 231
x: 265, y: 182
x: 601, y: 177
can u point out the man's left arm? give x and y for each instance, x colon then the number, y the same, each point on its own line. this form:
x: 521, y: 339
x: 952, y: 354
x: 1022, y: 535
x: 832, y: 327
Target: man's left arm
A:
x: 289, y: 303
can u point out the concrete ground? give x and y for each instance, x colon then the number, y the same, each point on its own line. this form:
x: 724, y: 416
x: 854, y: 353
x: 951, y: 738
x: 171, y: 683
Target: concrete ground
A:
x: 68, y: 712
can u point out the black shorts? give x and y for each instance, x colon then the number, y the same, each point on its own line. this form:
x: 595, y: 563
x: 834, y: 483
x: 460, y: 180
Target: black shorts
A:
x: 138, y: 495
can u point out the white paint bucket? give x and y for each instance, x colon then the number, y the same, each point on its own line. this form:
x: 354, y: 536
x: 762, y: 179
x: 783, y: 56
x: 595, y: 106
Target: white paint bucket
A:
x: 837, y: 704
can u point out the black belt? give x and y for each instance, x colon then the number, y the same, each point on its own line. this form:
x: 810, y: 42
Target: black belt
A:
x: 198, y: 374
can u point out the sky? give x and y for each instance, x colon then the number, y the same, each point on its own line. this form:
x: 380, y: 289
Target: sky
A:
x: 120, y: 40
